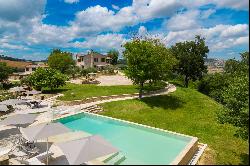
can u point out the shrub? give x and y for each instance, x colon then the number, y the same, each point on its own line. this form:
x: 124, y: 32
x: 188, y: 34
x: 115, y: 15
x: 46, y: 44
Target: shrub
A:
x: 46, y: 78
x: 109, y: 69
x: 213, y: 85
x: 84, y: 72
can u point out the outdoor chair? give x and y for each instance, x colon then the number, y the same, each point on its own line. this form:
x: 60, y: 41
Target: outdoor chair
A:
x: 18, y: 154
x: 36, y: 160
x: 31, y: 152
x: 36, y: 104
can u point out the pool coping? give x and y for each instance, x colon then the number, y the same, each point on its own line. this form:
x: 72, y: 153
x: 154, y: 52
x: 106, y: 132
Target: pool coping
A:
x: 182, y: 158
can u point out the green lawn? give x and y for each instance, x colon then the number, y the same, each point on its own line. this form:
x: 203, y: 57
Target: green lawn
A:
x: 189, y: 112
x: 79, y: 92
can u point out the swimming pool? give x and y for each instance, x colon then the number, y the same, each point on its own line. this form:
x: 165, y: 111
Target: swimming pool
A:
x: 140, y: 144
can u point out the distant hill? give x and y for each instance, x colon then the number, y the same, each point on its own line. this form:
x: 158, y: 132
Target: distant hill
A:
x: 13, y: 59
x: 18, y: 64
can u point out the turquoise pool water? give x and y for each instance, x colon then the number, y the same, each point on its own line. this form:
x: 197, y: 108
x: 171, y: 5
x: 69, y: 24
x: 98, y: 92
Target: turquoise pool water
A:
x: 139, y: 144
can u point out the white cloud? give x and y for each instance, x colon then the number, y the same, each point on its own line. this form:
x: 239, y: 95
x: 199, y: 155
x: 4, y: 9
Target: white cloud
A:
x: 149, y: 9
x: 103, y: 42
x: 205, y: 14
x: 115, y: 7
x: 235, y: 30
x: 2, y: 51
x: 48, y: 34
x: 13, y: 46
x: 142, y: 31
x: 97, y: 19
x: 231, y: 42
x: 183, y: 21
x: 234, y: 4
x: 218, y: 37
x: 14, y: 10
x: 71, y: 1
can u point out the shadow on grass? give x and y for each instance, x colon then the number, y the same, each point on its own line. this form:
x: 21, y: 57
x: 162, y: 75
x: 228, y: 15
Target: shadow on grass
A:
x: 46, y: 91
x: 244, y: 159
x: 165, y: 102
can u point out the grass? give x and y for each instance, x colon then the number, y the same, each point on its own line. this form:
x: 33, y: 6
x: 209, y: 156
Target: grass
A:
x: 79, y: 92
x: 189, y: 112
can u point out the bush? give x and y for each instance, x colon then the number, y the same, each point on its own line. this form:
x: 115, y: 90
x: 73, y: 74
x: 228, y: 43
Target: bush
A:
x: 213, y: 85
x: 84, y: 72
x: 46, y: 78
x: 121, y: 66
x: 109, y: 70
x: 73, y: 71
x: 4, y: 95
x: 236, y: 101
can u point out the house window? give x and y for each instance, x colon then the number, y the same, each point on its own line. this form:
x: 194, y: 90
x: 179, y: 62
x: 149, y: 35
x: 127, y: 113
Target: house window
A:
x: 95, y: 59
x: 33, y: 69
x: 79, y: 60
x: 103, y: 59
x: 27, y: 69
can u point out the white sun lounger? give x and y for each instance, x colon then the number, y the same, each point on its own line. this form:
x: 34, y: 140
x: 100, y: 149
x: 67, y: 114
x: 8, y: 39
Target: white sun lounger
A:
x: 39, y: 159
x: 4, y: 151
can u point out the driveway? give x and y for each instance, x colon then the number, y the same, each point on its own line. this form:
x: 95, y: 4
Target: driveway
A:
x: 114, y: 80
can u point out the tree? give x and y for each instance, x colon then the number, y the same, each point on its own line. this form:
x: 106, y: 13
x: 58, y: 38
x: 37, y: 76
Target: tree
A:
x: 114, y: 55
x: 213, y: 85
x: 60, y: 60
x: 48, y: 77
x: 84, y: 72
x: 236, y: 97
x: 5, y: 71
x: 73, y: 71
x: 190, y: 56
x: 231, y: 66
x: 147, y: 60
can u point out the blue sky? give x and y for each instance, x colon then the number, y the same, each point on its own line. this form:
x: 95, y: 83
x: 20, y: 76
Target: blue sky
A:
x: 30, y: 29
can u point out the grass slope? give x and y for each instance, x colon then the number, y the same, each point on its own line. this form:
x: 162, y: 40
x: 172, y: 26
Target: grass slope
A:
x: 189, y: 112
x: 79, y: 92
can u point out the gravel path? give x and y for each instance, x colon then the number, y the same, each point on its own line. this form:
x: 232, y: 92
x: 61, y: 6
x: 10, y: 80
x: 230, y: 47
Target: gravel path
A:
x: 113, y: 80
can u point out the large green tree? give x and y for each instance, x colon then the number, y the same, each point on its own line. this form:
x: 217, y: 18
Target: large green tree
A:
x: 46, y: 77
x: 5, y: 71
x: 147, y: 60
x: 190, y: 56
x: 60, y: 60
x: 114, y: 55
x: 235, y: 96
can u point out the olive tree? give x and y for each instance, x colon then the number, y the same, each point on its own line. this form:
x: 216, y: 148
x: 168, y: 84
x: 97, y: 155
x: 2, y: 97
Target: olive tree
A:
x: 147, y: 60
